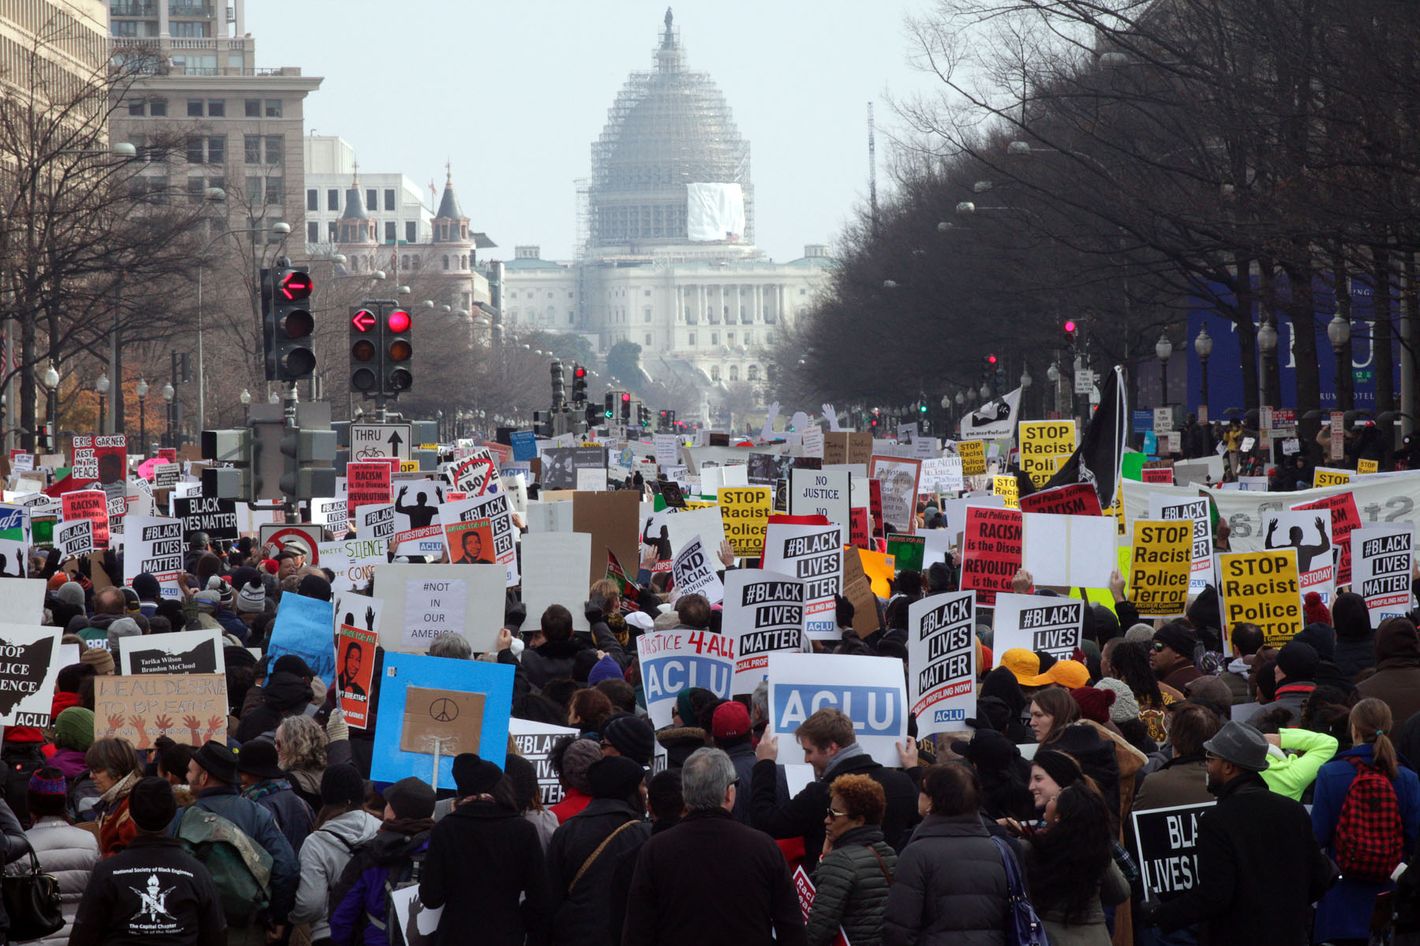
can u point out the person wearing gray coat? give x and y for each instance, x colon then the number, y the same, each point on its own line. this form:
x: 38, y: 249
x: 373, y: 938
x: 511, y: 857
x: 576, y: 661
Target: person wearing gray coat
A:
x: 328, y: 848
x: 950, y: 884
x: 65, y: 852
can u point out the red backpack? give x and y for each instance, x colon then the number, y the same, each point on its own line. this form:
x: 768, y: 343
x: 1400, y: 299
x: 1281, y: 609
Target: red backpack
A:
x: 1369, y: 838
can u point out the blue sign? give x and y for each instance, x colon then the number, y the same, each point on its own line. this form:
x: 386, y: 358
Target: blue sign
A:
x: 1151, y: 443
x: 1143, y: 421
x: 524, y: 444
x: 875, y: 711
x: 305, y: 627
x: 664, y: 677
x: 495, y: 681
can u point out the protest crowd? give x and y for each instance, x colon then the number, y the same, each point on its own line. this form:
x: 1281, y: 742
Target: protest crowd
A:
x: 1026, y: 687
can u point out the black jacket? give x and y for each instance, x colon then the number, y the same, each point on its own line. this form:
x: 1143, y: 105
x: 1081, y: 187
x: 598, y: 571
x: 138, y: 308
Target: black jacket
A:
x: 581, y: 915
x: 1259, y: 869
x: 151, y: 892
x: 482, y: 859
x: 751, y: 901
x: 554, y: 660
x: 950, y: 887
x: 803, y: 814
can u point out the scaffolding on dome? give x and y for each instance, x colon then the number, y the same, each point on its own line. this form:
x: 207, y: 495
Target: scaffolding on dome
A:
x: 667, y: 128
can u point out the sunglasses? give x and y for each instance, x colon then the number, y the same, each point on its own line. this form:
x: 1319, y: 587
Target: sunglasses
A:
x: 836, y: 814
x: 1157, y: 647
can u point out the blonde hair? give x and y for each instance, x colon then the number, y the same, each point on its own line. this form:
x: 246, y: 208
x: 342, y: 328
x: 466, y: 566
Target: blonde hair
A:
x: 300, y: 743
x: 1371, y: 719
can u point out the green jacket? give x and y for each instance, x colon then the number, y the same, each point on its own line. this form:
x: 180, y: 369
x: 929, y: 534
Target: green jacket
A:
x: 851, y: 888
x: 1291, y: 774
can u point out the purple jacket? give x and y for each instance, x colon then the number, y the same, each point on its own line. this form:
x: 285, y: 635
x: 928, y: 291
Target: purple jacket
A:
x: 70, y: 762
x: 358, y: 918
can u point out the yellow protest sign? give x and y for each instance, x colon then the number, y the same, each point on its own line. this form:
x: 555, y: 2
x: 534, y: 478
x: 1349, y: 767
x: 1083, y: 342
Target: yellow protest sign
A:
x: 699, y: 503
x: 1160, y: 562
x: 1006, y: 487
x: 1367, y: 466
x: 973, y: 457
x: 1330, y: 476
x: 1044, y: 446
x: 878, y: 567
x: 1262, y: 588
x: 409, y: 466
x: 745, y: 512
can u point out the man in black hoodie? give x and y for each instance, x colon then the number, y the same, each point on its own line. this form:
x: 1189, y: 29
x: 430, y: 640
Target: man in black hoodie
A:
x: 152, y: 890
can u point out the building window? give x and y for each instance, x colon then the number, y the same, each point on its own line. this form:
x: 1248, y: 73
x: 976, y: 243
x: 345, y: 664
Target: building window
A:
x: 275, y: 149
x: 251, y: 149
x: 571, y: 319
x: 389, y: 198
x: 312, y: 232
x: 194, y: 108
x: 446, y: 262
x: 273, y: 108
x: 714, y: 338
x: 715, y: 373
x: 275, y: 191
x: 331, y: 231
x: 253, y: 190
x: 646, y: 315
x: 463, y: 263
x: 734, y: 372
x: 196, y: 188
x: 196, y: 153
x: 391, y: 231
x: 217, y: 149
x: 690, y: 339
x: 332, y: 199
x: 753, y: 374
x: 158, y: 108
x: 252, y: 108
x: 729, y: 338
x: 312, y: 200
x: 137, y: 108
x: 513, y: 294
x: 411, y: 231
x: 216, y: 108
x: 647, y: 293
x: 370, y: 203
x: 648, y: 338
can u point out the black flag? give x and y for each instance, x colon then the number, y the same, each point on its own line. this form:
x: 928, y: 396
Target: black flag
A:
x: 1096, y: 461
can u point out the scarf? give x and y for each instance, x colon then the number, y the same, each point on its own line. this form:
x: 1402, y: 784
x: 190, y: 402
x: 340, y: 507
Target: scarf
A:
x: 844, y: 754
x: 617, y: 624
x: 119, y: 790
x: 262, y: 789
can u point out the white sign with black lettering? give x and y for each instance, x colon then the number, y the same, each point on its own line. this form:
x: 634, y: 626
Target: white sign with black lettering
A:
x: 1039, y: 622
x: 821, y: 493
x: 693, y: 572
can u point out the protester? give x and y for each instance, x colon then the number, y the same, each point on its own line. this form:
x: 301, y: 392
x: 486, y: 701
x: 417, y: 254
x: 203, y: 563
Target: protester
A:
x: 1295, y: 756
x: 359, y: 901
x: 730, y: 728
x: 65, y: 852
x: 1001, y: 772
x: 1355, y: 639
x: 1396, y: 681
x: 857, y: 867
x: 1183, y: 779
x: 710, y: 851
x: 1172, y: 656
x: 570, y: 759
x: 265, y: 783
x: 1051, y: 710
x: 115, y: 770
x: 342, y: 825
x: 1247, y: 641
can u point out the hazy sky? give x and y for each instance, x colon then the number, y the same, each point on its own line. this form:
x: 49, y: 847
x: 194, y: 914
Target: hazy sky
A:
x: 514, y: 91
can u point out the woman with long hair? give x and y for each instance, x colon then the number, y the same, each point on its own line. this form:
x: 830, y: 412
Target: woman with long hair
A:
x: 1051, y: 710
x: 114, y: 767
x: 1070, y: 868
x: 301, y: 753
x: 1130, y: 662
x: 1353, y: 819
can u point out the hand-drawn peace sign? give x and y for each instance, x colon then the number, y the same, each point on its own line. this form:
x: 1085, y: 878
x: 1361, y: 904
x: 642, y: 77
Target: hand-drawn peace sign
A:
x: 444, y: 710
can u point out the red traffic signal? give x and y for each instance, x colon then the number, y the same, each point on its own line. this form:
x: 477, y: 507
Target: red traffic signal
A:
x: 1070, y: 326
x: 398, y: 320
x: 295, y: 285
x: 626, y: 397
x: 363, y: 320
x: 579, y: 372
x: 990, y: 359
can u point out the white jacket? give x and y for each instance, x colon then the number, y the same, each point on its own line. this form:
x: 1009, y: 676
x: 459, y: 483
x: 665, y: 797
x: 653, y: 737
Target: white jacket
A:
x: 69, y: 854
x: 324, y: 855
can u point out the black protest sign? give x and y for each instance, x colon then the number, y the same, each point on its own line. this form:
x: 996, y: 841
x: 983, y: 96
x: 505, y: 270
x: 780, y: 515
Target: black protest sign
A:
x: 216, y: 517
x: 28, y: 667
x: 535, y: 742
x: 177, y: 652
x: 1166, y: 840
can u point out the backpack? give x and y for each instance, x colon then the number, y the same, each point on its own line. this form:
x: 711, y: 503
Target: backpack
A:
x: 240, y: 868
x: 403, y: 872
x: 1369, y: 840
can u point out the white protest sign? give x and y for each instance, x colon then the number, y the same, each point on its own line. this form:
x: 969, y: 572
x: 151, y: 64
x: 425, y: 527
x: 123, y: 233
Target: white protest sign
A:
x: 869, y: 690
x: 549, y: 517
x: 1069, y: 551
x: 1045, y: 623
x: 424, y: 601
x: 764, y: 613
x: 375, y: 521
x: 1310, y: 534
x: 1382, y: 559
x: 555, y: 572
x: 154, y: 546
x: 27, y: 673
x: 74, y: 538
x: 820, y: 493
x: 1167, y: 508
x: 494, y: 508
x: 813, y: 555
x: 198, y: 651
x: 674, y: 660
x: 417, y: 530
x: 685, y: 525
x: 941, y: 654
x: 693, y: 573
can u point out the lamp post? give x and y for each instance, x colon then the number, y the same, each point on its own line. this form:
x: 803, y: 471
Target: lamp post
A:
x: 102, y: 386
x: 1267, y: 345
x: 1052, y: 374
x: 1338, y: 331
x: 1026, y: 382
x: 142, y: 391
x: 245, y: 398
x: 1203, y: 345
x: 51, y: 381
x: 1163, y: 348
x: 170, y: 392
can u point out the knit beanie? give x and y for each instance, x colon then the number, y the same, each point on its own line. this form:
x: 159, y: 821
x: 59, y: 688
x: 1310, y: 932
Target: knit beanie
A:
x: 1094, y: 704
x: 314, y: 586
x: 632, y: 736
x: 1062, y: 769
x: 151, y: 804
x: 71, y: 593
x: 1313, y: 611
x: 252, y: 598
x: 410, y: 798
x: 74, y: 728
x: 1125, y: 706
x: 98, y: 658
x: 147, y: 587
x: 1139, y: 633
x: 207, y: 600
x: 48, y: 781
x: 342, y: 785
x: 606, y: 669
x: 475, y: 776
x: 123, y: 627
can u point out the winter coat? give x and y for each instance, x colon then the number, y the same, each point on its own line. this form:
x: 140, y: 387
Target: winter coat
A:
x: 742, y: 757
x: 851, y: 889
x: 68, y: 854
x: 1345, y: 911
x: 679, y: 742
x: 572, y: 803
x: 555, y: 660
x: 323, y: 858
x: 710, y: 851
x: 1180, y: 677
x: 802, y: 815
x: 1254, y: 847
x: 359, y: 912
x: 1235, y: 676
x: 1396, y: 683
x: 1354, y: 655
x: 1183, y: 780
x: 950, y: 887
x: 112, y: 911
x: 70, y: 762
x: 256, y: 823
x: 1089, y: 929
x: 483, y: 859
x: 293, y: 816
x: 1293, y: 767
x: 581, y: 912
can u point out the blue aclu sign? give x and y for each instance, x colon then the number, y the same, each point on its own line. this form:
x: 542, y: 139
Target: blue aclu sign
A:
x: 875, y: 711
x: 664, y: 677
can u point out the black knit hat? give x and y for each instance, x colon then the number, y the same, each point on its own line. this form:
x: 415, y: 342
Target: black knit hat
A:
x: 410, y: 798
x: 474, y: 775
x: 1062, y: 769
x: 614, y: 777
x: 342, y: 785
x: 151, y: 804
x: 632, y: 736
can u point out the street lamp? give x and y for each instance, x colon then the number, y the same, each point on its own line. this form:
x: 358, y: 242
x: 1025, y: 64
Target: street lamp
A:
x: 1266, y: 344
x: 985, y: 392
x: 1163, y: 348
x: 1203, y: 345
x: 273, y: 398
x: 51, y: 381
x: 1052, y: 374
x: 102, y: 386
x: 169, y: 392
x: 142, y: 391
x: 245, y: 397
x: 1338, y: 331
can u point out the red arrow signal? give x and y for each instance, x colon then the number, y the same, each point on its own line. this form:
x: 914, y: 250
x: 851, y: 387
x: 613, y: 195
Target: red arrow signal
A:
x: 296, y: 285
x: 364, y: 320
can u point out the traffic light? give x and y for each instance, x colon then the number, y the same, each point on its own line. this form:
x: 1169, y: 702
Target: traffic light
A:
x: 665, y: 421
x: 643, y: 416
x: 579, y: 384
x: 922, y: 407
x: 559, y: 388
x: 610, y: 411
x: 307, y: 456
x: 288, y: 325
x: 626, y: 408
x: 224, y: 447
x: 991, y: 361
x: 365, y: 349
x: 1071, y: 331
x: 398, y: 350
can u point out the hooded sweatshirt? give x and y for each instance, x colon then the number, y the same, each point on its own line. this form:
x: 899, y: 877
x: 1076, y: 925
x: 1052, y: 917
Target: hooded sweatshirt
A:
x: 323, y: 858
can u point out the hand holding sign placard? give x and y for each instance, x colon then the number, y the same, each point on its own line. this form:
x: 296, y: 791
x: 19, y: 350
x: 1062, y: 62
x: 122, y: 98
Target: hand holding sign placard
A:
x: 941, y: 651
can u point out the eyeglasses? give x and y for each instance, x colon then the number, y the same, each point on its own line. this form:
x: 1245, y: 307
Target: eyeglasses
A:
x: 836, y: 814
x: 1158, y: 646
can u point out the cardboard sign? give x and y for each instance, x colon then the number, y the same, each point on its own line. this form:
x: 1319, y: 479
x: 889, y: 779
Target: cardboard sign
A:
x: 1345, y: 518
x: 534, y: 742
x: 555, y: 572
x: 91, y: 504
x: 1382, y: 559
x: 899, y: 477
x: 673, y: 660
x: 611, y: 520
x: 992, y: 551
x: 744, y: 511
x: 353, y: 561
x: 423, y: 601
x: 355, y: 657
x: 870, y: 690
x: 1073, y: 499
x: 1069, y: 551
x: 1043, y: 443
x: 942, y: 474
x: 176, y: 652
x: 1195, y: 511
x: 941, y: 652
x: 1166, y: 840
x: 694, y: 573
x: 405, y: 672
x: 303, y: 627
x: 813, y: 555
x: 1262, y: 588
x: 499, y: 547
x: 973, y: 457
x: 847, y: 447
x: 29, y: 664
x: 1160, y: 561
x: 367, y: 483
x: 764, y: 613
x: 820, y: 493
x: 1309, y: 534
x: 188, y: 708
x: 449, y: 721
x: 1048, y: 624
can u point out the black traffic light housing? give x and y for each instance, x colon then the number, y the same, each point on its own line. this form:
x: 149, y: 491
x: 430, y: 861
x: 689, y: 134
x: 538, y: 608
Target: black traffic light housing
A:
x: 381, y: 349
x: 365, y: 345
x: 398, y: 374
x: 579, y: 384
x: 288, y: 327
x: 626, y: 408
x: 559, y: 387
x: 610, y: 410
